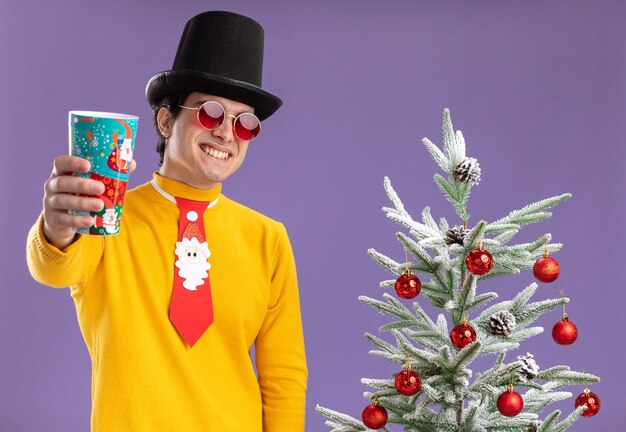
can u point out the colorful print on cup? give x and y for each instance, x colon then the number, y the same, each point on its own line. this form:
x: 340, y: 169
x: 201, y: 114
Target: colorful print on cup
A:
x: 107, y: 141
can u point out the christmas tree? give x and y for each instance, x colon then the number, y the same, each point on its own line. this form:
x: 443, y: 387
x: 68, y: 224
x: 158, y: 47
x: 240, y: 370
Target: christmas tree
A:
x: 434, y: 388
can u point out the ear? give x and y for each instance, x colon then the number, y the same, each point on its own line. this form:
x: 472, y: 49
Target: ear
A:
x: 164, y: 120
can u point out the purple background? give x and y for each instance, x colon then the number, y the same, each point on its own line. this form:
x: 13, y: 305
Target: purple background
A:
x: 537, y: 88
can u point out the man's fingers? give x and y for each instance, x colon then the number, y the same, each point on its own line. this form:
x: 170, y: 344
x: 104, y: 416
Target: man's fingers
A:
x: 64, y: 192
x: 67, y: 221
x: 71, y: 184
x: 69, y: 164
x: 133, y: 165
x: 73, y: 202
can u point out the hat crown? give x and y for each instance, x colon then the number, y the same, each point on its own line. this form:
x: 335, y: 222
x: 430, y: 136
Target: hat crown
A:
x: 219, y: 53
x: 224, y: 44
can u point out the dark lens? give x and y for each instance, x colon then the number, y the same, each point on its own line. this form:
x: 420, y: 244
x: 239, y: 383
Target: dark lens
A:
x: 247, y: 126
x: 211, y: 115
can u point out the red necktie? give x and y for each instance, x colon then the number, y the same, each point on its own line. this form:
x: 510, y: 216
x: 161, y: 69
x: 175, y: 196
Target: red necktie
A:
x: 191, y: 309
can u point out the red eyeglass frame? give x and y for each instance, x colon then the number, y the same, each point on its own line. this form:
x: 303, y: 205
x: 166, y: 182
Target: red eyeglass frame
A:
x: 238, y: 126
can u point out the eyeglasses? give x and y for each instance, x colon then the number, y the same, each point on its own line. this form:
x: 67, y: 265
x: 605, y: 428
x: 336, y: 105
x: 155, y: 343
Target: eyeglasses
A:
x: 211, y: 115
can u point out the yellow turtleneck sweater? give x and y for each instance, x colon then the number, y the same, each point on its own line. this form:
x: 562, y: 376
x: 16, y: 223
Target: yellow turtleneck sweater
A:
x: 145, y: 378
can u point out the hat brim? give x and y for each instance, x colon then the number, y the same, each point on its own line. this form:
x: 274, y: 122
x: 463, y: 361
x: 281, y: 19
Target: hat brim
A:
x: 164, y: 83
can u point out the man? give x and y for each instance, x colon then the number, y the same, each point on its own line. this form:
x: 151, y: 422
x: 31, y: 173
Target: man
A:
x: 161, y: 360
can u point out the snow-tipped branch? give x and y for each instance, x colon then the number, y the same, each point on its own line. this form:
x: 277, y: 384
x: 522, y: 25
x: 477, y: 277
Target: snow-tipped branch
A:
x: 536, y: 400
x: 392, y: 307
x: 498, y: 375
x: 427, y: 231
x: 481, y: 299
x: 473, y: 237
x: 455, y: 193
x: 522, y: 422
x: 382, y: 344
x: 379, y: 384
x: 437, y: 154
x: 394, y: 198
x: 454, y: 149
x: 466, y: 298
x: 534, y: 212
x: 465, y: 357
x: 437, y: 294
x: 550, y: 424
x: 562, y: 375
x: 569, y: 420
x: 342, y: 422
x: 431, y: 336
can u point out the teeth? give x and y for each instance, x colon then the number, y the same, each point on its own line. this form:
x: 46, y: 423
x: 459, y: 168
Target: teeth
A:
x: 216, y: 153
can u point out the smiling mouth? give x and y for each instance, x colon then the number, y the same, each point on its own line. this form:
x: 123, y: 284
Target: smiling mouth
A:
x: 217, y: 154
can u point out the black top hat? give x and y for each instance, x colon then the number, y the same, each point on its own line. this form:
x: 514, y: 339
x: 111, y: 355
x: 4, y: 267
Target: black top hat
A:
x: 219, y: 53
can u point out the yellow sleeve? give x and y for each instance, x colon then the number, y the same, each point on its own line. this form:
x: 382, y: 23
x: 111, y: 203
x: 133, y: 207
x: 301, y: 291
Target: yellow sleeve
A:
x: 280, y: 356
x: 61, y: 268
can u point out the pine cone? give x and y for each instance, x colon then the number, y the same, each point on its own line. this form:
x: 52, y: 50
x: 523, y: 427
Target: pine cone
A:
x: 468, y: 171
x: 529, y: 369
x: 502, y: 323
x: 456, y: 235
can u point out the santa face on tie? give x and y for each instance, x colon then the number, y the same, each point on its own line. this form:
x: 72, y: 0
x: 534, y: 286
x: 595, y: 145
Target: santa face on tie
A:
x: 192, y: 262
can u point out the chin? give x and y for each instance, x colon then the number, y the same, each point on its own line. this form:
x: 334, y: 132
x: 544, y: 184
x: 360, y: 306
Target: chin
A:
x: 217, y: 174
x: 214, y: 177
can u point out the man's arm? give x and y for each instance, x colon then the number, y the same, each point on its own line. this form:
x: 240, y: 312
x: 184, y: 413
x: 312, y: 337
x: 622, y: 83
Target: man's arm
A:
x: 60, y: 268
x: 54, y: 251
x: 280, y: 356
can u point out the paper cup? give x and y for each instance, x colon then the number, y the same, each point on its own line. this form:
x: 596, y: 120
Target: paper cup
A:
x: 107, y: 141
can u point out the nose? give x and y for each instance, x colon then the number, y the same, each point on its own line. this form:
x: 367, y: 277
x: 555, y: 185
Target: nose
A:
x: 225, y: 131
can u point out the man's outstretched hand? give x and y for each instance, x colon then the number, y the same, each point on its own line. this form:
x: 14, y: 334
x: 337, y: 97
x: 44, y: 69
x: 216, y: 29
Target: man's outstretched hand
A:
x: 60, y: 197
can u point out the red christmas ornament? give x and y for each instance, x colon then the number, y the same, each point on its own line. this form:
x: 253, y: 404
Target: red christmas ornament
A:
x: 374, y: 416
x: 546, y: 269
x: 462, y: 335
x: 408, y: 382
x: 564, y: 332
x: 479, y: 261
x: 510, y: 403
x: 590, y: 399
x: 407, y: 285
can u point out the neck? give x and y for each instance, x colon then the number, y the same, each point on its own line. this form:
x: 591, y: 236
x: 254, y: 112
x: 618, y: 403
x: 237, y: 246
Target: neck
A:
x: 176, y: 175
x: 178, y: 188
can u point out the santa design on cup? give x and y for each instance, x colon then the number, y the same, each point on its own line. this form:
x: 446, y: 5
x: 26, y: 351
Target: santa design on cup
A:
x: 125, y: 155
x: 122, y: 154
x: 192, y: 257
x: 109, y: 221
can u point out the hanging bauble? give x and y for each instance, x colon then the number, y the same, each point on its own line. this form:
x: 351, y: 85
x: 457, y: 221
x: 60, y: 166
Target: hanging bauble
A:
x: 408, y: 285
x: 590, y: 399
x: 374, y: 416
x: 408, y: 382
x: 546, y: 269
x: 564, y: 332
x: 510, y: 403
x: 462, y: 334
x: 479, y: 261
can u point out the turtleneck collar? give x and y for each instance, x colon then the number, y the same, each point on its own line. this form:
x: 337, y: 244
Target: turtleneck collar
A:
x: 178, y: 189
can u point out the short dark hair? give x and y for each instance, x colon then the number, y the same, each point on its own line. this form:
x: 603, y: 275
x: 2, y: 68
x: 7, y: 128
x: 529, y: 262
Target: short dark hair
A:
x: 171, y: 102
